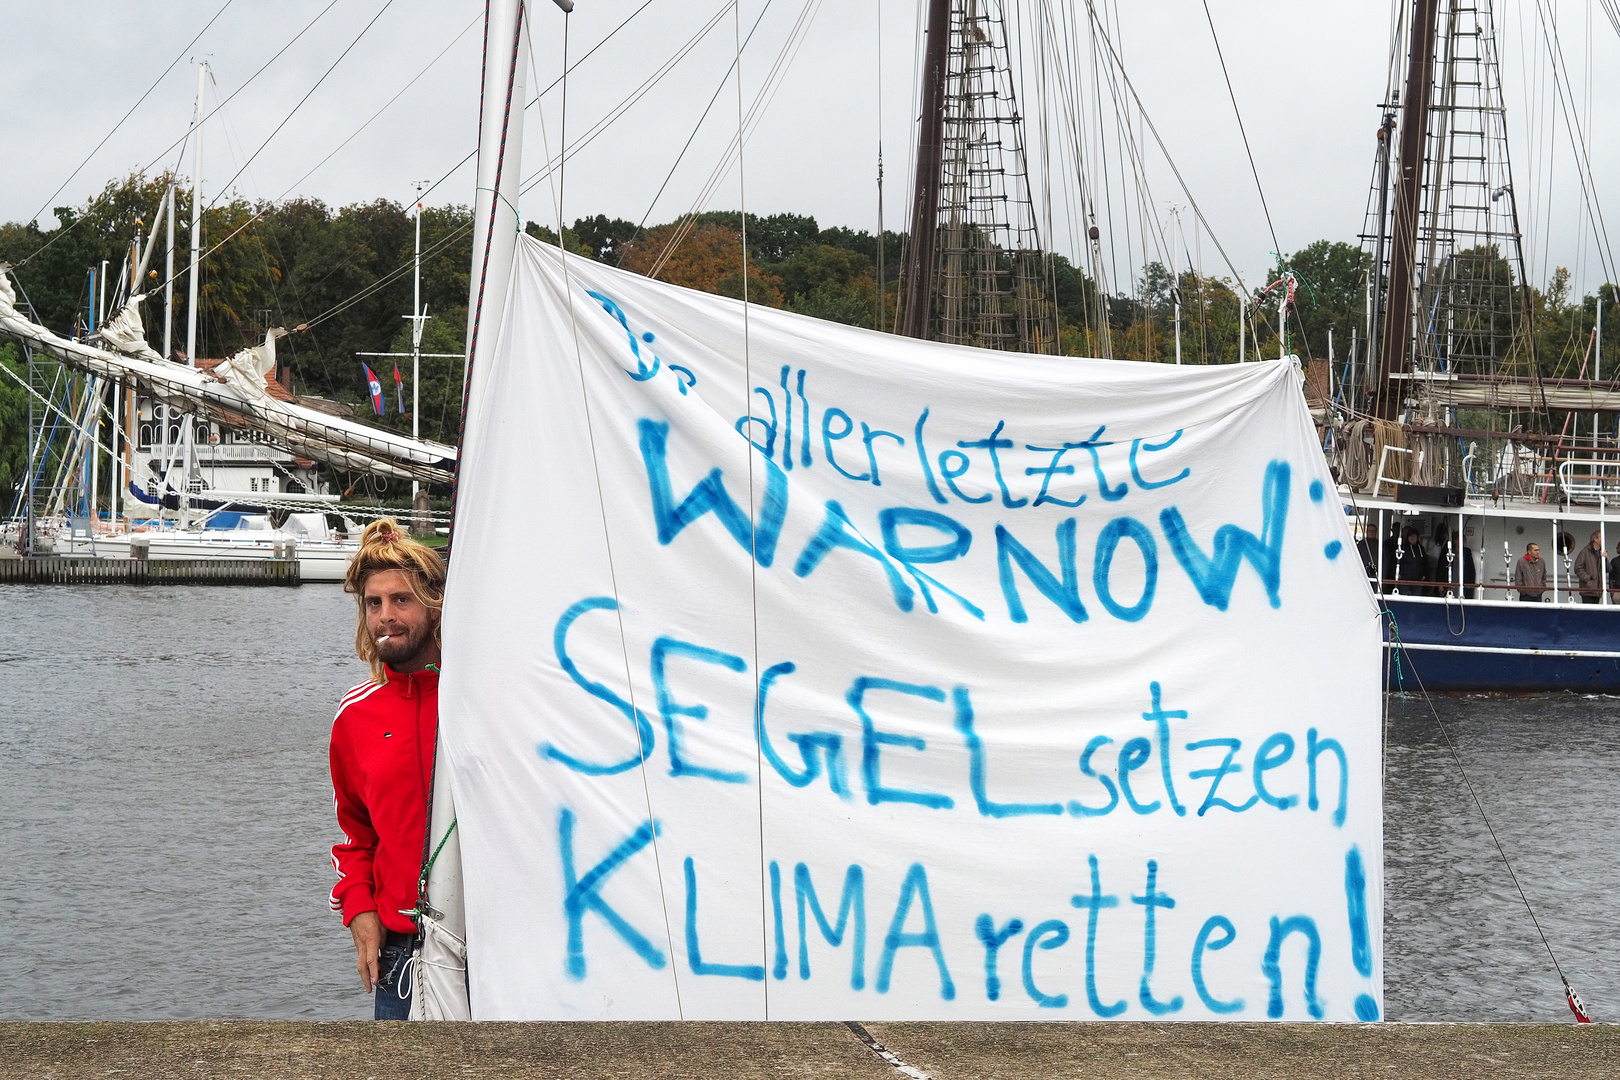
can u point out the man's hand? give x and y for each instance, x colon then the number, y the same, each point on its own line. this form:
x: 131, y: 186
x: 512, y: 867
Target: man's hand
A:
x: 368, y: 938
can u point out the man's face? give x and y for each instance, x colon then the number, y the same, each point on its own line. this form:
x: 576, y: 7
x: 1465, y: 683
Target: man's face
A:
x: 399, y: 623
x: 1534, y: 554
x: 1597, y: 542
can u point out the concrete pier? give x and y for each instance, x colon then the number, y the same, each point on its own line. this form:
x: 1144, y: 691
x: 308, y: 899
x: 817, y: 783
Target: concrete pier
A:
x: 717, y: 1051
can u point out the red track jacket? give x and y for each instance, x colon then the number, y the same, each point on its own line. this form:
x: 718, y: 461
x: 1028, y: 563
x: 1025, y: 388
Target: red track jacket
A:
x: 382, y: 766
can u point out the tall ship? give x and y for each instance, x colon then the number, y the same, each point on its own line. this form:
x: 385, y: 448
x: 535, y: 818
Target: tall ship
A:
x: 1482, y: 489
x: 1455, y: 449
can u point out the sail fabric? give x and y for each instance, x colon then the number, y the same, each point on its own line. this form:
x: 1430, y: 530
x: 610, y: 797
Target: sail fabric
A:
x: 798, y: 671
x: 230, y: 398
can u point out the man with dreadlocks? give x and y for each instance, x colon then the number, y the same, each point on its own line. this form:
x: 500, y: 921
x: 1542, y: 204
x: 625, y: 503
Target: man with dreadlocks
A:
x: 383, y: 740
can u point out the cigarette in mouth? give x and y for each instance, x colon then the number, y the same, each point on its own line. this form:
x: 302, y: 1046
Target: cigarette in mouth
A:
x: 384, y: 638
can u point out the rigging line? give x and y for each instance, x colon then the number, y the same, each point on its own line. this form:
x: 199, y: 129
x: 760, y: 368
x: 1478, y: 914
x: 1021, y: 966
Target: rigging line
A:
x: 569, y: 68
x: 190, y: 127
x: 753, y: 511
x: 601, y: 499
x: 225, y: 186
x: 1400, y: 647
x: 386, y: 280
x: 1577, y: 135
x: 474, y: 152
x: 1142, y: 110
x: 1232, y: 94
x: 354, y: 135
x: 627, y: 103
x: 1613, y: 12
x: 640, y: 225
x: 132, y: 109
x: 762, y: 101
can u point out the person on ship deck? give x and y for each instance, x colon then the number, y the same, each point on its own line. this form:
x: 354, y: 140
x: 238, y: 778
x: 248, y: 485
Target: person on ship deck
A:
x: 1530, y: 574
x: 1589, y: 570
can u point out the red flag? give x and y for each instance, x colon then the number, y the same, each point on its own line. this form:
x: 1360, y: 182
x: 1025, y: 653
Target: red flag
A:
x: 400, y: 384
x: 374, y: 387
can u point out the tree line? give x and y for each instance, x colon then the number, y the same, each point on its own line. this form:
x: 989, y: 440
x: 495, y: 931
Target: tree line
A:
x: 345, y: 274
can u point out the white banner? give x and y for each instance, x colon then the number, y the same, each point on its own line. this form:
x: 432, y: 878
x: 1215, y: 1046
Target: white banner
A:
x: 795, y: 671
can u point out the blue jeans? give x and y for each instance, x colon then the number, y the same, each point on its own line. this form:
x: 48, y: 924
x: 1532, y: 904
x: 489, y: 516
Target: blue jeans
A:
x: 391, y: 960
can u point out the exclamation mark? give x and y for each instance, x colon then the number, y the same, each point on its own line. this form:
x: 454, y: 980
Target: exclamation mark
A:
x: 1355, y: 895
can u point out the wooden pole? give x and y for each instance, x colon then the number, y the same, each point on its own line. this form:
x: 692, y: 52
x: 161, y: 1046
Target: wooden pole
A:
x: 1395, y: 356
x: 919, y: 269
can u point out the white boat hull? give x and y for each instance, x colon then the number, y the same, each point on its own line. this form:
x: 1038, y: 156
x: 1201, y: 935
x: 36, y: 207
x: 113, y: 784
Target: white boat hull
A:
x: 317, y: 560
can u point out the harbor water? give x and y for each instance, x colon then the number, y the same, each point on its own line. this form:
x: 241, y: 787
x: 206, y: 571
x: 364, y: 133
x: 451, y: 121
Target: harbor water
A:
x: 168, y: 820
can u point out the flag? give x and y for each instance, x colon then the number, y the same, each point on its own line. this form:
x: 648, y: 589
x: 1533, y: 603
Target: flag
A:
x: 399, y: 383
x: 374, y: 387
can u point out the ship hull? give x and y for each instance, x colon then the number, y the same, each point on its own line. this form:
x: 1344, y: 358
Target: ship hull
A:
x: 1501, y: 646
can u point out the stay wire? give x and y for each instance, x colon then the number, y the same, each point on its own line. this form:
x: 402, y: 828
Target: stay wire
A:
x: 718, y: 90
x: 131, y: 112
x: 334, y: 65
x: 1400, y: 647
x: 203, y: 120
x: 267, y: 207
x: 1146, y: 120
x: 1232, y: 94
x: 753, y: 513
x: 627, y: 103
x: 601, y: 494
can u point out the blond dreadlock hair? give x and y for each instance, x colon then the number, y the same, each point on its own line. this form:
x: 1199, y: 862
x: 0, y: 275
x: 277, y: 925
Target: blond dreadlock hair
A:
x: 385, y: 546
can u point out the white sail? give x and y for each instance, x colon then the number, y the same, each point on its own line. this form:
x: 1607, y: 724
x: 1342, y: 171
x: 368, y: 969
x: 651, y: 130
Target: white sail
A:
x: 442, y: 988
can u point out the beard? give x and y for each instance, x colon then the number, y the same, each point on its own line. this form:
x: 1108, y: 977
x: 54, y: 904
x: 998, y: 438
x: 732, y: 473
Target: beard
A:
x: 404, y: 648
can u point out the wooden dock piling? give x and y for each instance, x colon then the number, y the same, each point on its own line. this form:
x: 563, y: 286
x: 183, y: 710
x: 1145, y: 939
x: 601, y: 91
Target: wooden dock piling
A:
x: 81, y: 571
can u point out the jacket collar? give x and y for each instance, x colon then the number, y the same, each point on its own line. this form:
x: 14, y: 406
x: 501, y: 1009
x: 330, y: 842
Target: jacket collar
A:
x: 410, y: 683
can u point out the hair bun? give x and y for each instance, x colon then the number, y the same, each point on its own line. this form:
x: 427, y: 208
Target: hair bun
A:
x: 381, y: 531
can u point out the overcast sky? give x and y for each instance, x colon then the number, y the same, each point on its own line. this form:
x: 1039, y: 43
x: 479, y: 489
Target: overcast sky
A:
x: 1307, y: 76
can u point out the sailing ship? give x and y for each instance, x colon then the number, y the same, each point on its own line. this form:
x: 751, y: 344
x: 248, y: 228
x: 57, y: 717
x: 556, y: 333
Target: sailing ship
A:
x: 1454, y: 450
x: 175, y: 425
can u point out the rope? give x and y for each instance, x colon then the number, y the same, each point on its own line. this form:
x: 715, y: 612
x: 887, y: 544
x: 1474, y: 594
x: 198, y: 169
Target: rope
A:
x: 127, y: 115
x: 1395, y: 636
x: 640, y: 225
x: 1363, y: 450
x: 753, y: 514
x: 601, y: 502
x: 341, y: 56
x: 307, y: 27
x: 1142, y: 112
x: 767, y: 93
x: 1272, y: 229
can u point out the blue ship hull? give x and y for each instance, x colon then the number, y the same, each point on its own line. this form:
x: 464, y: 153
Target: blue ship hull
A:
x: 1508, y: 647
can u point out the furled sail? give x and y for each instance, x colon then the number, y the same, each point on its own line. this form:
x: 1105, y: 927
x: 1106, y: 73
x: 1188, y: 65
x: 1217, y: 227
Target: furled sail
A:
x: 237, y: 396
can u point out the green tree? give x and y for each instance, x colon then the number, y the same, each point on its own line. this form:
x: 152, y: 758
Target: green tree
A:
x: 13, y: 425
x: 1331, y: 294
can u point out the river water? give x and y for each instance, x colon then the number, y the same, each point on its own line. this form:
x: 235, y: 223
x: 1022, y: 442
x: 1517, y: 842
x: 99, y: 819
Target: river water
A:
x: 167, y: 818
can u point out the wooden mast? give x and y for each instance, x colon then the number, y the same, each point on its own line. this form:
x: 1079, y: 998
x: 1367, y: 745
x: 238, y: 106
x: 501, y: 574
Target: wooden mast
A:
x: 919, y: 268
x: 1395, y: 355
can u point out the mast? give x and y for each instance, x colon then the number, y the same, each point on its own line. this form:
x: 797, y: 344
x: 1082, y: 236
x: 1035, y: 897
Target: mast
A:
x: 500, y: 156
x: 1175, y: 278
x: 416, y: 332
x: 1375, y: 294
x: 187, y: 431
x: 919, y: 267
x: 1395, y: 354
x: 495, y: 237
